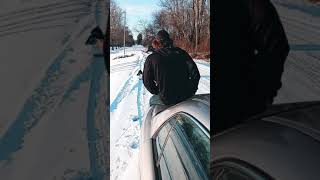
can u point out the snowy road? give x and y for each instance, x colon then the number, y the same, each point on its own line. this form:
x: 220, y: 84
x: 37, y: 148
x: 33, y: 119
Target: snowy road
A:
x: 301, y: 78
x: 128, y: 103
x: 54, y: 122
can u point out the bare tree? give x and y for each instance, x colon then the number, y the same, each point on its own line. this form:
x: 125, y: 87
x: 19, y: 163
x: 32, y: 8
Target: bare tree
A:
x: 187, y: 22
x: 117, y: 27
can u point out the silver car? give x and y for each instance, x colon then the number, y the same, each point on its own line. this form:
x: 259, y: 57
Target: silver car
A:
x: 175, y: 141
x: 282, y: 143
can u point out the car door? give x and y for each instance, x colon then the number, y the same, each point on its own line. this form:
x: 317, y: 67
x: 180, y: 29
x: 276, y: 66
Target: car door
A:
x: 182, y: 149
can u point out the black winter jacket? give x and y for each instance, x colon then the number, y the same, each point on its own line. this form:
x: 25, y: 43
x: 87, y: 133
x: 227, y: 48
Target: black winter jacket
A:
x: 249, y: 50
x: 172, y: 74
x: 150, y: 49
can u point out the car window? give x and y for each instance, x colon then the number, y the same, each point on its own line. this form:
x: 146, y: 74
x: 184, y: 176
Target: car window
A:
x: 184, y: 152
x: 197, y: 138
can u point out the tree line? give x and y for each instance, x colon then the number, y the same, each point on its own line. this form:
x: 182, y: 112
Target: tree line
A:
x: 117, y: 27
x: 187, y: 21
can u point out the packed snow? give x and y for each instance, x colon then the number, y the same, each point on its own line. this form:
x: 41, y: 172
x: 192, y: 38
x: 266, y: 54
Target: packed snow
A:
x: 129, y: 101
x: 301, y: 77
x: 54, y: 121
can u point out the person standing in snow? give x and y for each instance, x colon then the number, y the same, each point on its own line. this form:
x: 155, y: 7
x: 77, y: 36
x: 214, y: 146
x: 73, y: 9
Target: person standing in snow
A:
x: 169, y: 73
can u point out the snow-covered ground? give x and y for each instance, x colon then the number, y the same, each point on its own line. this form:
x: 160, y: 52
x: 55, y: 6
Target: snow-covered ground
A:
x: 53, y: 120
x: 301, y: 77
x: 129, y: 101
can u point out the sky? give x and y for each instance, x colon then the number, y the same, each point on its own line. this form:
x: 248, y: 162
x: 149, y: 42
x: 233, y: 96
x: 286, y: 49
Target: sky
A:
x: 138, y: 9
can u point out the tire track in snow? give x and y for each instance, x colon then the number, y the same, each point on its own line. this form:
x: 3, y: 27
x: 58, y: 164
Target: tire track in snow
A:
x: 128, y: 141
x: 43, y: 100
x: 138, y: 87
x: 139, y: 97
x: 139, y: 104
x: 31, y: 10
x: 124, y: 66
x: 123, y: 92
x: 97, y: 167
x: 43, y: 21
x: 36, y: 28
x: 43, y: 24
x: 92, y: 73
x: 97, y: 71
x: 38, y: 18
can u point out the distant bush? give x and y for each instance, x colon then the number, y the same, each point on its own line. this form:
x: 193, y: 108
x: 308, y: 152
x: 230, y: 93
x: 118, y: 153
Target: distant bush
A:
x: 203, y: 56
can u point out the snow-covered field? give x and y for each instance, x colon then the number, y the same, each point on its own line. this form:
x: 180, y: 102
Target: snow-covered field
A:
x: 129, y: 101
x: 53, y: 120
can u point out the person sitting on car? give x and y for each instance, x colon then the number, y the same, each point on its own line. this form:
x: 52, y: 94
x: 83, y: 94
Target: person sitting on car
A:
x: 169, y: 73
x: 249, y: 51
x: 150, y: 49
x: 154, y: 46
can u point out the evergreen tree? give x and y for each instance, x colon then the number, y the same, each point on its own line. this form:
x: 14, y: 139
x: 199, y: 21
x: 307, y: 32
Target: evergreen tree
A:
x: 139, y: 39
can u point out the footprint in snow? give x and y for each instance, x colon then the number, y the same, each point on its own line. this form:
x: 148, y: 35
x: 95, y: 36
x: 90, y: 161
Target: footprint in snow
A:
x: 135, y: 118
x: 134, y: 145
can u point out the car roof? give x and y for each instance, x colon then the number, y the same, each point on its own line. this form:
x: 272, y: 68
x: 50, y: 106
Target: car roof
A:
x: 302, y: 116
x: 204, y: 98
x: 279, y: 151
x: 198, y: 106
x: 283, y: 147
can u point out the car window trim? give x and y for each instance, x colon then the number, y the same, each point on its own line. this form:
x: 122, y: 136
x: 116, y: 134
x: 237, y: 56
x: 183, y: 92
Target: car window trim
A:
x: 202, y: 127
x: 165, y: 142
x: 155, y: 157
x: 194, y: 155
